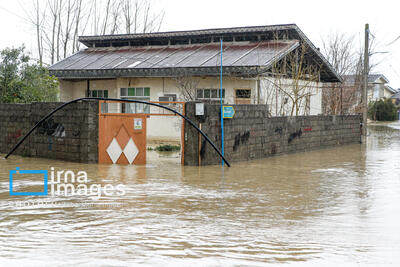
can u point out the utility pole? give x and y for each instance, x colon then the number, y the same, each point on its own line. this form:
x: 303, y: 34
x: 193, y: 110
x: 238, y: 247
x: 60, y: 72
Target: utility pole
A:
x: 365, y: 80
x: 222, y: 111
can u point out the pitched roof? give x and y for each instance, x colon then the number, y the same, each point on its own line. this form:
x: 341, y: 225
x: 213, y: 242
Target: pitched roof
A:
x: 247, y: 50
x: 389, y: 88
x: 371, y: 78
x: 396, y: 95
x: 153, y: 61
x: 90, y: 41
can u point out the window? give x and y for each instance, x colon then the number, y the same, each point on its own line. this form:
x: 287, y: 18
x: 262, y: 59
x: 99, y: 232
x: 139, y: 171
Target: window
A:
x: 137, y: 93
x: 242, y: 96
x: 243, y: 93
x: 209, y: 93
x: 100, y: 93
x: 167, y: 98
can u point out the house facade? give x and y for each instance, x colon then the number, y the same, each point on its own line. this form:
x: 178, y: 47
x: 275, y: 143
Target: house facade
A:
x: 275, y: 65
x: 396, y: 100
x: 378, y: 87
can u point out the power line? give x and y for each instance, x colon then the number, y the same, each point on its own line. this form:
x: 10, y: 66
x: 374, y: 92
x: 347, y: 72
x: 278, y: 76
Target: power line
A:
x: 370, y: 33
x: 395, y: 40
x: 14, y: 14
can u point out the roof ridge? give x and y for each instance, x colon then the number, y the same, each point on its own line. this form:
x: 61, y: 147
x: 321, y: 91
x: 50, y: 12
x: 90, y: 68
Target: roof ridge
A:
x: 190, y: 31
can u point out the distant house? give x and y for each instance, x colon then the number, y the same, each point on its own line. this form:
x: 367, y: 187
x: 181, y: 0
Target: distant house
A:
x: 259, y: 64
x: 388, y: 91
x: 396, y: 98
x: 377, y: 85
x: 346, y: 97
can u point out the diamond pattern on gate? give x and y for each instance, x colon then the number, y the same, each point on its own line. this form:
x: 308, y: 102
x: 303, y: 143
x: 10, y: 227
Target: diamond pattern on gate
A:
x: 122, y: 139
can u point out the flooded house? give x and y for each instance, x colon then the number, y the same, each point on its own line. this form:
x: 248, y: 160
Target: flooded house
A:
x: 275, y: 65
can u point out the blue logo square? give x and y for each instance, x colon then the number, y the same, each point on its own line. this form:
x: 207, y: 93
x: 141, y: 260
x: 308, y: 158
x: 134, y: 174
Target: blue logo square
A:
x: 18, y: 171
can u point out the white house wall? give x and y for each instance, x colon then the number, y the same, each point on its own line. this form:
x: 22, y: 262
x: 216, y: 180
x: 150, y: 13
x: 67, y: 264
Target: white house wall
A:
x: 387, y: 93
x: 169, y: 128
x: 377, y: 90
x: 160, y: 86
x: 275, y: 98
x: 158, y: 127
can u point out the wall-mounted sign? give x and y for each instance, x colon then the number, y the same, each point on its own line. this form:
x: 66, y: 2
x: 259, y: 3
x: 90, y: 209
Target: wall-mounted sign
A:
x: 199, y: 109
x: 228, y: 112
x: 137, y: 124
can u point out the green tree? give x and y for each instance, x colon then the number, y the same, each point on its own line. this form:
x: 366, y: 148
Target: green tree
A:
x: 382, y: 110
x: 24, y: 81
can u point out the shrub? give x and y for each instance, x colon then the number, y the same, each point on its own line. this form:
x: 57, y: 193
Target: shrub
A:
x: 382, y: 110
x: 167, y: 148
x: 24, y: 81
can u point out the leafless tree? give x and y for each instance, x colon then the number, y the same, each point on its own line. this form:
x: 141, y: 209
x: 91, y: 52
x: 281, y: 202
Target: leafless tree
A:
x: 36, y: 19
x: 341, y: 51
x: 338, y: 49
x: 187, y: 86
x: 77, y: 25
x: 58, y: 23
x: 339, y: 98
x: 292, y: 83
x: 139, y: 16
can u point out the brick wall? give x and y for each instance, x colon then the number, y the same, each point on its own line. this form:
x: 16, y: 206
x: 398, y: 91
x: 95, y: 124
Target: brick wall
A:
x: 71, y: 134
x: 251, y: 135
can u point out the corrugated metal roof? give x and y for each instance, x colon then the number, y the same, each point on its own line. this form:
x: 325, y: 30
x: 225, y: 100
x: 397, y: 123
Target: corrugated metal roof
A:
x: 185, y: 56
x: 146, y: 54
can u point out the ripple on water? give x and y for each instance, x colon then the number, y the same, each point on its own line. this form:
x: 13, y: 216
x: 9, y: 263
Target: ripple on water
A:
x: 327, y: 207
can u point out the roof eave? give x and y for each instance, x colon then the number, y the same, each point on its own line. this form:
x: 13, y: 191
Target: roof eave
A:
x: 319, y: 54
x: 159, y: 72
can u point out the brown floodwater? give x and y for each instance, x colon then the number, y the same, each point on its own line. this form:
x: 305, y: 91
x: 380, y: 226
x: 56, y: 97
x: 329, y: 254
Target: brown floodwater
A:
x: 335, y: 207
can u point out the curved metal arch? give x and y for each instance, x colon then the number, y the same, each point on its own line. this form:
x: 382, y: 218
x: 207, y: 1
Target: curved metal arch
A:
x: 122, y: 100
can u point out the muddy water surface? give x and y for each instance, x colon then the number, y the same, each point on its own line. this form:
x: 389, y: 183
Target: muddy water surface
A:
x: 333, y: 207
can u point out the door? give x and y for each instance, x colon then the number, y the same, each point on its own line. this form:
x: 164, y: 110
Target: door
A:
x: 122, y: 138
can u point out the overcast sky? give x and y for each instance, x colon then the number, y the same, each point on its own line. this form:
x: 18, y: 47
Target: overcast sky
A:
x: 315, y: 18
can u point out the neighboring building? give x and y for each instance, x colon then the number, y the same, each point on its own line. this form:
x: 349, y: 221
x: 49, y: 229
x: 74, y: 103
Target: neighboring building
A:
x: 388, y: 91
x: 377, y: 85
x: 150, y: 67
x: 345, y: 97
x: 396, y: 98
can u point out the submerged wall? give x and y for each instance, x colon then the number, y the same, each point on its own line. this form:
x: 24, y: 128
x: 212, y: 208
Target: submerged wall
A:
x: 71, y: 134
x: 251, y: 135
